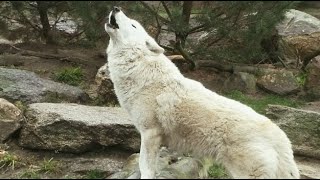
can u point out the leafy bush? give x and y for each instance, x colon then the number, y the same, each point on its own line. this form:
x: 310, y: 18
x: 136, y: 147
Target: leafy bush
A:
x: 301, y: 78
x: 72, y: 76
x: 217, y: 171
x: 8, y: 160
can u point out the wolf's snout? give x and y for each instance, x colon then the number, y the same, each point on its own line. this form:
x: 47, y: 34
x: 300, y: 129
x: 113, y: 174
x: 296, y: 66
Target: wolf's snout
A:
x: 116, y: 8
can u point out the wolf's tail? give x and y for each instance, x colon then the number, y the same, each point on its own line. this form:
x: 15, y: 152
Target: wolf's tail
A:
x: 287, y: 167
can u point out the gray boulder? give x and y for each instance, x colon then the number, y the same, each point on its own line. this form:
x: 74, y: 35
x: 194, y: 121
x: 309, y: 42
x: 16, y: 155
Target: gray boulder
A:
x: 301, y: 126
x: 77, y: 128
x: 299, y: 37
x: 27, y: 87
x: 241, y: 81
x: 103, y: 89
x: 312, y: 84
x: 10, y: 117
x: 280, y: 82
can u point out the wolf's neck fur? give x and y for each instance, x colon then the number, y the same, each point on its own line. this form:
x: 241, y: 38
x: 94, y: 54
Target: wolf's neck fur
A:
x: 132, y: 72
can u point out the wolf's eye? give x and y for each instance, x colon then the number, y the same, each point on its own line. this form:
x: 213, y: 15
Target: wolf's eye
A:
x: 133, y: 26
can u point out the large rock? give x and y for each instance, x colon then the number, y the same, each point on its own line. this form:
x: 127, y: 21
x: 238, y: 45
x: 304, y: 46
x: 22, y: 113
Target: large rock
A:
x: 77, y: 128
x: 299, y: 36
x: 85, y: 165
x: 241, y: 81
x: 170, y: 166
x: 21, y: 85
x: 313, y: 78
x: 280, y: 82
x: 301, y: 126
x: 10, y: 117
x: 104, y: 86
x: 309, y: 167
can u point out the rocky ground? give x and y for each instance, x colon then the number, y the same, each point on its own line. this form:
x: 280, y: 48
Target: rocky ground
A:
x: 43, y: 135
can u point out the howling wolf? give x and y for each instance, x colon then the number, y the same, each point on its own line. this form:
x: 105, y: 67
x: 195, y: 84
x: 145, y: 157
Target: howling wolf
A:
x: 169, y: 109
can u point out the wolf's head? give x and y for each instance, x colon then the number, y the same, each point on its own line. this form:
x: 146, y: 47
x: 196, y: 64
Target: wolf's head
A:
x: 124, y: 31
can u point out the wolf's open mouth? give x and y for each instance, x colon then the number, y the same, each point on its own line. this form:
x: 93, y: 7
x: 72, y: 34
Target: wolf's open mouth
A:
x: 113, y: 23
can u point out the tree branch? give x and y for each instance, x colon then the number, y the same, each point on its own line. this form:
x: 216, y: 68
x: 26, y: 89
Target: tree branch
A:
x: 167, y: 48
x: 167, y: 10
x: 197, y: 29
x: 153, y: 12
x: 186, y: 11
x: 202, y: 27
x: 185, y: 55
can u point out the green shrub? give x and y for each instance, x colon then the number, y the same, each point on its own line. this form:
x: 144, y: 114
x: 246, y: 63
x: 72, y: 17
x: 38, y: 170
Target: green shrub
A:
x: 301, y: 78
x: 217, y: 171
x: 72, y: 76
x: 8, y: 160
x: 48, y: 166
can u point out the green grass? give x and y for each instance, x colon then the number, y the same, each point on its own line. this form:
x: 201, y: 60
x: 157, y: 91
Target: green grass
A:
x: 20, y: 105
x: 211, y: 169
x: 301, y: 78
x: 94, y: 174
x: 48, y: 166
x: 8, y: 160
x: 261, y: 104
x: 30, y: 174
x: 217, y: 171
x: 72, y: 76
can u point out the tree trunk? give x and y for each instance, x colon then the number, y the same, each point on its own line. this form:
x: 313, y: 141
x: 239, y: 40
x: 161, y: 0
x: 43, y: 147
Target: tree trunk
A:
x: 186, y: 11
x: 43, y: 12
x: 186, y: 14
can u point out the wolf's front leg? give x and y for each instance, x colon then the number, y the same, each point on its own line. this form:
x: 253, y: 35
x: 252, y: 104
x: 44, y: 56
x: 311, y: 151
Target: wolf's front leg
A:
x: 150, y: 144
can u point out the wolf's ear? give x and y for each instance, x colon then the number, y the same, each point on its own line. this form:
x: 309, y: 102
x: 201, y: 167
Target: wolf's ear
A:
x: 153, y: 46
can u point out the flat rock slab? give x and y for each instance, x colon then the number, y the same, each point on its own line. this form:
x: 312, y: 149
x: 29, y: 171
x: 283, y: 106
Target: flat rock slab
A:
x: 27, y: 87
x: 77, y: 128
x: 309, y: 168
x: 301, y: 126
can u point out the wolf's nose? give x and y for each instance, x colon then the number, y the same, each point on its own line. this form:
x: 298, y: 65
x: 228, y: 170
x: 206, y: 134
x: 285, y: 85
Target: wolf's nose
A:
x: 116, y: 9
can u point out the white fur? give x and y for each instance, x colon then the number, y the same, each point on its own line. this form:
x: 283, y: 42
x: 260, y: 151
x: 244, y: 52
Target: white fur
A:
x: 168, y: 108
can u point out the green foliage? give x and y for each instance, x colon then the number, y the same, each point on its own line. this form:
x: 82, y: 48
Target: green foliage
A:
x: 217, y: 171
x: 21, y: 19
x: 260, y: 104
x: 240, y: 27
x: 20, y: 105
x: 30, y: 174
x: 94, y: 174
x: 301, y: 78
x: 92, y: 14
x: 72, y: 76
x: 212, y: 169
x: 8, y: 160
x: 48, y: 166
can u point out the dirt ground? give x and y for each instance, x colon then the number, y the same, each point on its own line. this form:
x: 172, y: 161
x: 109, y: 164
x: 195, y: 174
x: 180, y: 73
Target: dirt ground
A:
x: 103, y: 162
x: 90, y: 60
x: 36, y: 164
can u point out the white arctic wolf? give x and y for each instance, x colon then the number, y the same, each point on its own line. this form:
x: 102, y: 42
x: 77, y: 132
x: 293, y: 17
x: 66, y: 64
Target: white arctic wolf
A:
x: 169, y: 109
